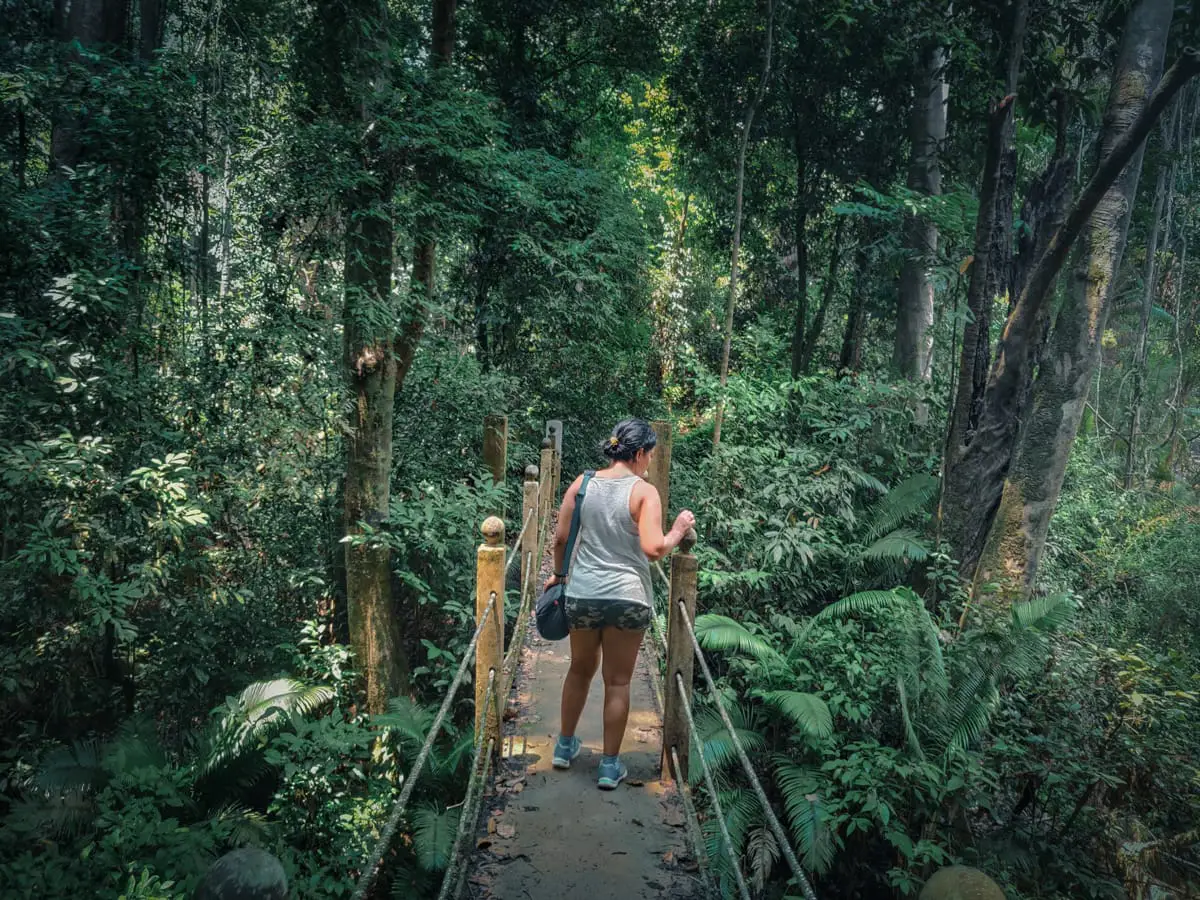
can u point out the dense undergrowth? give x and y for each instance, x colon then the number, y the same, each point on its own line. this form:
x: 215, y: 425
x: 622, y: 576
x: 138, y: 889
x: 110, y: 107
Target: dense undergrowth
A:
x: 1051, y: 745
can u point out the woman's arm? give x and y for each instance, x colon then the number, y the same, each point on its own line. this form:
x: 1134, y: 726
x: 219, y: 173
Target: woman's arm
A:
x: 562, y: 530
x: 655, y: 544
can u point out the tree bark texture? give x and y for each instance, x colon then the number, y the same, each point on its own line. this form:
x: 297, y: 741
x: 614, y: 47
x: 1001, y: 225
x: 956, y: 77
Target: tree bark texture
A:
x: 1141, y: 352
x: 912, y: 353
x: 747, y: 125
x: 371, y: 374
x: 1013, y: 508
x: 993, y: 256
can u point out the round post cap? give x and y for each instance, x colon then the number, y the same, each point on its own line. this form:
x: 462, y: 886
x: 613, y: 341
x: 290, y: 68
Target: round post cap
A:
x: 493, y: 531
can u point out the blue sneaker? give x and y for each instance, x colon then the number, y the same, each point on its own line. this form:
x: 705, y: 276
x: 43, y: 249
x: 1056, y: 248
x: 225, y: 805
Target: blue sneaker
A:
x: 612, y: 773
x: 565, y: 750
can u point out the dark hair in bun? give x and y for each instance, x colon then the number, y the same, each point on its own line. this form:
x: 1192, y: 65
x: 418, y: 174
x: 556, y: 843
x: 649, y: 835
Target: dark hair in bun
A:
x: 630, y: 436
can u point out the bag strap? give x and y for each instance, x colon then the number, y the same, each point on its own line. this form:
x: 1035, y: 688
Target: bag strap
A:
x: 574, y: 533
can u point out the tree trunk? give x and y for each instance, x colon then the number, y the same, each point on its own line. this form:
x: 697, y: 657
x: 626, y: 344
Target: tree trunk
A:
x: 371, y: 374
x: 856, y: 322
x: 93, y: 23
x: 1149, y: 291
x: 992, y: 263
x: 747, y: 124
x: 912, y: 354
x: 1015, y: 513
x: 827, y: 292
x: 800, y: 321
x: 425, y: 254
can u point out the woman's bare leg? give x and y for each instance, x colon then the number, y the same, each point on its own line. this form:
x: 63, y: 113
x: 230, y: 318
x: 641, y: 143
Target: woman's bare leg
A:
x: 585, y: 659
x: 621, y: 647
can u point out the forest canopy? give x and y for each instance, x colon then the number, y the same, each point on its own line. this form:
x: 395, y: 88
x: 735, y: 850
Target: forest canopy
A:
x: 913, y: 281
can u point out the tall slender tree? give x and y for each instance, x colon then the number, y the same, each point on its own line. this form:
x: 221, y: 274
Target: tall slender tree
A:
x: 735, y: 251
x: 912, y: 354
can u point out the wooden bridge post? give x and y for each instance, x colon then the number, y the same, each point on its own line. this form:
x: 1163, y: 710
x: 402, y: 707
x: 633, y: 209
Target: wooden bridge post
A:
x: 555, y: 435
x: 489, y: 652
x: 680, y: 658
x: 660, y: 466
x: 546, y: 488
x: 495, y: 451
x: 529, y: 543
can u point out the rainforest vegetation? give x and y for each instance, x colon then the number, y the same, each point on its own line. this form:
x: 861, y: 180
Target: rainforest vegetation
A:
x: 917, y: 284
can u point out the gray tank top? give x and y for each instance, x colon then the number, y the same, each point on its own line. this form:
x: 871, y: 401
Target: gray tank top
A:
x: 609, y: 563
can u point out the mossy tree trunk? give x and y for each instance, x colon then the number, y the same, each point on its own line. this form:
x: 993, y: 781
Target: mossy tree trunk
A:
x: 1017, y: 533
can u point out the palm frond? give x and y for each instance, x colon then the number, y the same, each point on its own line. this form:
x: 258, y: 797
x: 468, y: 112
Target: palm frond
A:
x: 762, y: 853
x: 807, y: 711
x: 723, y: 634
x: 256, y: 715
x: 1043, y: 614
x: 433, y: 831
x: 713, y: 741
x: 907, y: 499
x: 862, y: 602
x: 800, y: 788
x: 903, y: 544
x: 77, y: 768
x: 742, y: 812
x: 973, y: 723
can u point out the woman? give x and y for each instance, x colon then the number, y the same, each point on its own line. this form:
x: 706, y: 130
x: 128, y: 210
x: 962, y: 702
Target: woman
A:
x: 609, y: 595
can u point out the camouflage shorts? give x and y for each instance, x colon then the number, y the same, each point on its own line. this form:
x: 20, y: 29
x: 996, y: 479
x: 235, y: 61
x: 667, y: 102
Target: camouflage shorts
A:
x: 583, y: 613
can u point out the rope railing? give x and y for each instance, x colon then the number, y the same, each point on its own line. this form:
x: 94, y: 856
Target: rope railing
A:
x: 772, y: 820
x: 516, y: 550
x: 470, y: 809
x: 726, y: 839
x: 371, y: 872
x: 693, y: 825
x: 493, y: 566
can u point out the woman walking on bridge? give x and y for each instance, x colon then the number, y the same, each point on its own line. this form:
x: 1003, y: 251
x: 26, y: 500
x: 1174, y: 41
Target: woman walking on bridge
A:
x: 609, y: 599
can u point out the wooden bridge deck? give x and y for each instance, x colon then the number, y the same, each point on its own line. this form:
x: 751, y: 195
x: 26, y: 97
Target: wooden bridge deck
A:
x: 551, y: 835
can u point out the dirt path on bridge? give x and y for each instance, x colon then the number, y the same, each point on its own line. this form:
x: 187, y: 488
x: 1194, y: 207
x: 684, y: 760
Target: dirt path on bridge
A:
x: 551, y: 835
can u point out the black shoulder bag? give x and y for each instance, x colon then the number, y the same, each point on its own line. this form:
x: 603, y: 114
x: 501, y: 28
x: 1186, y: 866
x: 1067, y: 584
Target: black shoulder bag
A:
x: 551, y: 607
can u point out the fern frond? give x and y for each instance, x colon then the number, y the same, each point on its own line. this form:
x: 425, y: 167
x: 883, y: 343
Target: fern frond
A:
x: 433, y: 831
x: 903, y: 544
x: 807, y: 711
x: 247, y: 826
x: 408, y: 719
x: 77, y: 768
x: 724, y: 634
